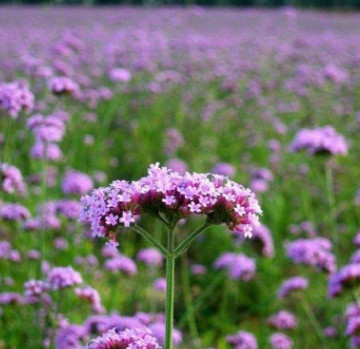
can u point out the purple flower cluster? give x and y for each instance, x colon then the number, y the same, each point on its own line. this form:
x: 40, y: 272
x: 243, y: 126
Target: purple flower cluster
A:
x: 283, y: 320
x: 177, y: 165
x: 15, y: 97
x: 11, y: 179
x: 160, y: 284
x: 157, y: 329
x: 48, y: 131
x: 151, y: 257
x: 14, y: 212
x: 347, y: 277
x: 75, y: 182
x: 127, y: 339
x: 291, y: 285
x: 92, y: 296
x: 11, y: 298
x: 263, y: 241
x: 174, y: 140
x: 352, y: 318
x: 69, y: 208
x: 314, y: 252
x: 63, y: 277
x: 260, y: 179
x: 120, y: 75
x: 224, y: 169
x: 7, y: 253
x: 121, y: 263
x: 320, y: 140
x: 63, y: 86
x: 69, y: 337
x: 242, y: 340
x: 281, y: 341
x: 238, y: 265
x: 174, y: 196
x: 36, y: 291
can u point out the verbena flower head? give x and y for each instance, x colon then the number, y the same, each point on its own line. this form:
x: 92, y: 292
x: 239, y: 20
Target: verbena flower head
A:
x: 15, y: 97
x: 283, y: 320
x: 262, y: 240
x: 63, y: 86
x: 242, y: 340
x: 35, y: 291
x: 158, y: 331
x: 160, y: 284
x: 11, y: 179
x: 151, y: 257
x: 69, y: 337
x: 120, y: 75
x: 42, y: 150
x: 238, y: 265
x: 321, y: 140
x: 315, y: 252
x: 347, y: 277
x: 10, y: 298
x: 281, y: 341
x: 103, y: 323
x: 224, y: 169
x: 47, y: 129
x: 69, y: 208
x: 353, y: 326
x: 92, y: 296
x: 121, y: 263
x: 75, y: 182
x: 177, y: 165
x: 34, y: 288
x: 63, y: 277
x: 14, y: 212
x: 128, y: 339
x: 293, y: 284
x: 172, y: 195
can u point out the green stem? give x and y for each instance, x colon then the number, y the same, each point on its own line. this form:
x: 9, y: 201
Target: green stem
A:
x: 315, y: 324
x: 331, y: 202
x: 186, y: 243
x: 151, y: 239
x: 170, y: 289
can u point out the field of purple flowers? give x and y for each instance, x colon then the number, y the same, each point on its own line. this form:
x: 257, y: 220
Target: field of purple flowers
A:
x: 128, y: 141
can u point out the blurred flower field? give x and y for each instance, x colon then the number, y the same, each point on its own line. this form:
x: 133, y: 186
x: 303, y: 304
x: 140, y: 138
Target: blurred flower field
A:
x: 184, y: 108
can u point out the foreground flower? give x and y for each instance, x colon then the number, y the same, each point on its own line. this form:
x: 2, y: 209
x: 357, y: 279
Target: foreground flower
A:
x: 128, y: 339
x: 171, y: 196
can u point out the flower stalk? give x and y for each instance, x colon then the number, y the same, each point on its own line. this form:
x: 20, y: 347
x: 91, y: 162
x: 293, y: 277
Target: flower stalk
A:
x: 170, y: 289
